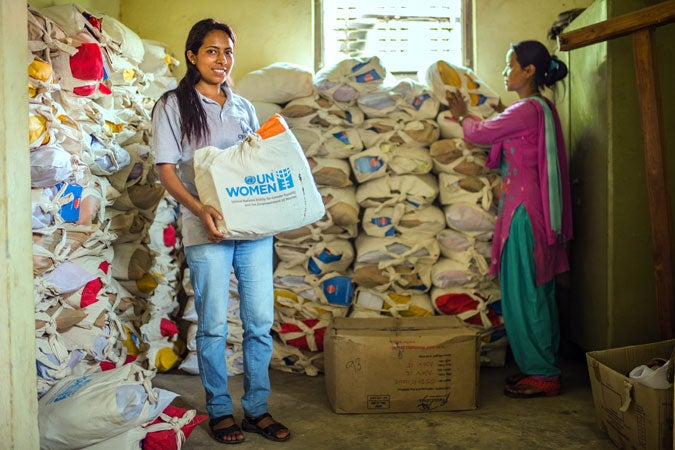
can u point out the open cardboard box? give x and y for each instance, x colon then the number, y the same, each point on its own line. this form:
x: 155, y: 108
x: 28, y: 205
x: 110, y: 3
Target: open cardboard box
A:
x: 632, y: 414
x: 408, y: 364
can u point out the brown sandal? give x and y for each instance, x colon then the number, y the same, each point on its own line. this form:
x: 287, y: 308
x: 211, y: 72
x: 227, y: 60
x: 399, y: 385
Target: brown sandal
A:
x: 271, y: 431
x: 221, y: 434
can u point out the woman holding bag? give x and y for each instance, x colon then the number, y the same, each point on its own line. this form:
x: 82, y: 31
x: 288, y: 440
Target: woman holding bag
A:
x: 203, y: 111
x: 535, y: 217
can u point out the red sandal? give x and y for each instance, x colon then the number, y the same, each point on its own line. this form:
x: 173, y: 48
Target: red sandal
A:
x: 543, y: 387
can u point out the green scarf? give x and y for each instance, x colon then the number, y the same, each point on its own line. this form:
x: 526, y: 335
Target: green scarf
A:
x: 554, y: 186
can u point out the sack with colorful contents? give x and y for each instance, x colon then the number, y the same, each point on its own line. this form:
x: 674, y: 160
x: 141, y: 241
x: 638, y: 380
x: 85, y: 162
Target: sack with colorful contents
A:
x: 266, y: 175
x: 444, y: 77
x: 395, y: 221
x: 98, y: 406
x: 384, y: 158
x: 306, y: 334
x: 331, y: 172
x: 405, y: 101
x: 320, y: 112
x: 413, y: 191
x: 345, y: 81
x: 318, y: 258
x: 171, y: 429
x: 473, y: 305
x: 369, y: 301
x: 457, y: 156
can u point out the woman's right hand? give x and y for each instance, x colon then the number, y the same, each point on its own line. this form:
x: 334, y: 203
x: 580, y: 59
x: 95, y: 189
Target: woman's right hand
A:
x: 208, y: 215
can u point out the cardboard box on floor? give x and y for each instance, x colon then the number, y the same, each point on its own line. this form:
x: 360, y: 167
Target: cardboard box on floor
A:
x: 632, y: 414
x: 408, y: 364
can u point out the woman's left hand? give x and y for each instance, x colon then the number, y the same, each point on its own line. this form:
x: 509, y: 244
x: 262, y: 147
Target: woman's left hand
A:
x: 456, y: 104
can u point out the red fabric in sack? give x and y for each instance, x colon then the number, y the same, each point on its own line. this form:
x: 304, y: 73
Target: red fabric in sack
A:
x: 87, y: 63
x: 170, y: 236
x: 301, y: 342
x: 453, y: 304
x: 109, y: 365
x: 167, y: 328
x: 166, y: 439
x: 91, y: 289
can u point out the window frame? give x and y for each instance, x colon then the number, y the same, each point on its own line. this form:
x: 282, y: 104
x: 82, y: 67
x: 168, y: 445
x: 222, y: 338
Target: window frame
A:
x: 467, y: 36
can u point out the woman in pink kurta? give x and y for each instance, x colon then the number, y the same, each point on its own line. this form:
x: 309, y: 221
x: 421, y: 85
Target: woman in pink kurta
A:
x: 534, y: 220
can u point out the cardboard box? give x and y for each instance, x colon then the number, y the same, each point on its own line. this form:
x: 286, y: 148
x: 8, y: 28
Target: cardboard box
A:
x: 632, y: 414
x: 408, y: 364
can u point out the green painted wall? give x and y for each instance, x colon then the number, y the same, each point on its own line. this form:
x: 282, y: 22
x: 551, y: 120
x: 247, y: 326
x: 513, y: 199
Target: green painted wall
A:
x: 109, y: 7
x: 267, y: 31
x: 613, y: 301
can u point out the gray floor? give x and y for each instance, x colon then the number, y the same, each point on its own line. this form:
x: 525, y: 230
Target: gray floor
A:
x: 300, y: 402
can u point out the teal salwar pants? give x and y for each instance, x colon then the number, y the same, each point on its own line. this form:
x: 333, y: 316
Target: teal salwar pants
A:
x: 530, y: 311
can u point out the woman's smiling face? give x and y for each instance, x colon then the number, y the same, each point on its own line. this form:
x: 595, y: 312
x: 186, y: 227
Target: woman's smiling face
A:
x: 215, y: 57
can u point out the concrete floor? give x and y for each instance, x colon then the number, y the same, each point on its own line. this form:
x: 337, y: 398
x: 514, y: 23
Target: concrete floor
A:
x: 300, y: 402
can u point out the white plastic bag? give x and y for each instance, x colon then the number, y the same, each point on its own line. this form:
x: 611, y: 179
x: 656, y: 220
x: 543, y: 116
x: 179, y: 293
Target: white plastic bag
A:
x: 262, y: 185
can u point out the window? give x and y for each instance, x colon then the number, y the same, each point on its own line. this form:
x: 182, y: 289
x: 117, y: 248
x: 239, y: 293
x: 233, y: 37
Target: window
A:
x: 406, y: 35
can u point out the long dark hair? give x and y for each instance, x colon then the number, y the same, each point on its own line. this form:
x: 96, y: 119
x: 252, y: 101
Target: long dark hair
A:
x: 192, y: 115
x: 549, y: 69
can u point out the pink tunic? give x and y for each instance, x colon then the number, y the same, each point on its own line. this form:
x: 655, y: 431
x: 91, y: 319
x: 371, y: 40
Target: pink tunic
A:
x: 519, y: 149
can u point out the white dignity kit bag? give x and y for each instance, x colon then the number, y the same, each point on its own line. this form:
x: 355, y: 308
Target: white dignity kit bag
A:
x: 262, y: 185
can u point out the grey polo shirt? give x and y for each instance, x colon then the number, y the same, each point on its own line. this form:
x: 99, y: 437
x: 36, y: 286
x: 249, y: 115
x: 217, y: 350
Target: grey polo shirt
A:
x: 228, y: 124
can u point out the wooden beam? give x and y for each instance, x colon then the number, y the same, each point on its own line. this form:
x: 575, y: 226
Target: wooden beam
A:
x: 659, y: 14
x: 653, y: 138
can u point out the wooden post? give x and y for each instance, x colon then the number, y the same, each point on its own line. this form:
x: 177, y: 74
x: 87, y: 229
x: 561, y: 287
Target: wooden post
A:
x: 641, y: 24
x: 657, y: 180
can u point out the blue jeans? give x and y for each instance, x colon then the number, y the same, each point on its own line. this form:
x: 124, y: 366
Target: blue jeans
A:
x: 210, y: 266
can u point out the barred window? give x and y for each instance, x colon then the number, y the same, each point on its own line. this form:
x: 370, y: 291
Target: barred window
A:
x: 407, y: 36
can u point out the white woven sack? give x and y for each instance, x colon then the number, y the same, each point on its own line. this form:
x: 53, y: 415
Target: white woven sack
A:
x: 413, y: 191
x: 129, y: 440
x: 394, y: 221
x: 451, y: 242
x: 98, y: 406
x: 406, y: 100
x: 321, y: 230
x: 471, y: 219
x: 49, y: 165
x: 462, y: 189
x: 334, y: 142
x: 341, y: 204
x: 396, y: 250
x: 290, y: 304
x: 320, y: 112
x: 393, y: 304
x: 457, y: 156
x: 280, y: 82
x: 345, y: 81
x: 318, y: 258
x: 156, y: 59
x: 402, y: 279
x: 129, y: 43
x: 258, y: 179
x: 443, y: 77
x: 449, y: 126
x: 287, y: 358
x: 265, y: 110
x: 418, y: 133
x: 448, y: 272
x: 376, y: 162
x: 331, y: 172
x: 310, y: 286
x: 132, y: 261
